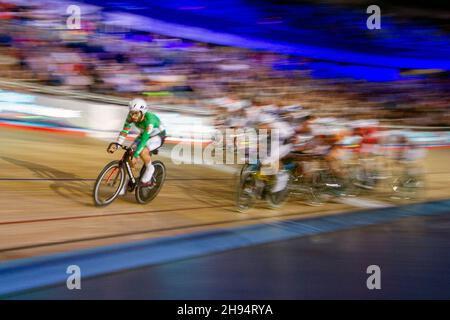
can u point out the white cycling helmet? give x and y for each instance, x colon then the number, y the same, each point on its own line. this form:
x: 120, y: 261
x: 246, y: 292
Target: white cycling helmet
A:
x: 138, y: 105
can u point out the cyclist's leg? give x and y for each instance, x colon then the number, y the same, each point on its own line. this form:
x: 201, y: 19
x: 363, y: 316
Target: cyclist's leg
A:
x: 146, y: 158
x: 125, y: 185
x: 152, y: 144
x: 282, y: 176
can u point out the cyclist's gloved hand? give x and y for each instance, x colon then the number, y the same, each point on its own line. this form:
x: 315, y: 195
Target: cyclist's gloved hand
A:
x: 133, y: 148
x: 112, y: 148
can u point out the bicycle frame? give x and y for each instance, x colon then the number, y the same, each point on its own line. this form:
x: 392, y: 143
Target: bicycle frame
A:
x: 143, y: 193
x: 125, y: 162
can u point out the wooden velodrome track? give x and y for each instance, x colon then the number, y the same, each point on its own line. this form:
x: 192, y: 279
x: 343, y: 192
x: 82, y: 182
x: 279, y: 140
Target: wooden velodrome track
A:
x: 46, y: 205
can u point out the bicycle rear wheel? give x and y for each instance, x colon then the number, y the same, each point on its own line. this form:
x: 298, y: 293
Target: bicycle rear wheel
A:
x: 146, y: 194
x: 277, y: 199
x: 108, y: 184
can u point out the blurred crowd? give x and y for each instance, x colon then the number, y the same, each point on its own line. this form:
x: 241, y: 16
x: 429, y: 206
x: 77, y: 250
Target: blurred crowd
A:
x: 36, y: 46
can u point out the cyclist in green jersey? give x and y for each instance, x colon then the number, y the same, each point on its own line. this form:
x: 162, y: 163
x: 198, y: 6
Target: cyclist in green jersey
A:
x: 151, y: 138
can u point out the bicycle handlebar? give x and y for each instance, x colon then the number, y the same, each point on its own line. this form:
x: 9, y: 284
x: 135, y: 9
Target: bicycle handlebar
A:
x: 119, y: 145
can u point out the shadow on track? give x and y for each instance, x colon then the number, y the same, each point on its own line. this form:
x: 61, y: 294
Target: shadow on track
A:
x: 76, y: 191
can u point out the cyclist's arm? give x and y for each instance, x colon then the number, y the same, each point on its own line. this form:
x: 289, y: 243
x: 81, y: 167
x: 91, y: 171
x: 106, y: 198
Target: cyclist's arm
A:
x: 124, y: 132
x: 151, y: 122
x: 143, y: 140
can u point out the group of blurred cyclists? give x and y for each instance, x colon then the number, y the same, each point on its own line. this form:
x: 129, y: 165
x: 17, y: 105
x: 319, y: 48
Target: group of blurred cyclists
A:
x: 352, y: 149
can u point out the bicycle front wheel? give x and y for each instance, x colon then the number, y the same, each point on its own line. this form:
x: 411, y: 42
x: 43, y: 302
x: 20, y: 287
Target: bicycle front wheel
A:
x: 109, y: 183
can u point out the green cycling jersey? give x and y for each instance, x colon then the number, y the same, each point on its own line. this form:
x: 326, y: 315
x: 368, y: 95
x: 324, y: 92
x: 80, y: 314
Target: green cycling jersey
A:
x: 150, y: 126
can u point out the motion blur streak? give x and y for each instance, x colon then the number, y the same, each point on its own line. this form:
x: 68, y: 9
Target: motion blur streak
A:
x: 361, y: 118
